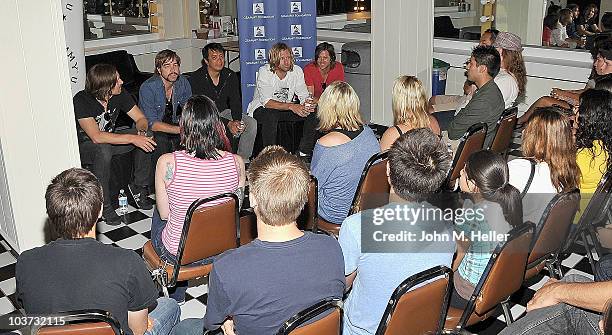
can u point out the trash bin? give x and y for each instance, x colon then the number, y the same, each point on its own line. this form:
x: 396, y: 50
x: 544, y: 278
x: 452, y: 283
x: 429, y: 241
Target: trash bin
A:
x: 438, y: 77
x: 356, y: 58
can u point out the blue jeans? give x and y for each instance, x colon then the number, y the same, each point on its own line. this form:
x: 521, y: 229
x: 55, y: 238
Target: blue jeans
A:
x: 189, y: 327
x: 557, y: 319
x: 164, y: 316
x: 157, y: 227
x: 603, y: 268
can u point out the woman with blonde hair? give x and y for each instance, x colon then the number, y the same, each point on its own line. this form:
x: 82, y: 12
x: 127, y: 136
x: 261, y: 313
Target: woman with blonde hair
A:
x: 409, y: 104
x: 550, y: 161
x: 340, y: 155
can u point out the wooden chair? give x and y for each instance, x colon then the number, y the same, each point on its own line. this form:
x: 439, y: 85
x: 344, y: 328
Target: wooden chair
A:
x: 373, y: 188
x: 504, y: 131
x: 595, y: 214
x: 81, y: 322
x: 551, y: 233
x: 502, y: 277
x: 331, y: 324
x: 405, y: 314
x: 470, y: 142
x: 207, y: 232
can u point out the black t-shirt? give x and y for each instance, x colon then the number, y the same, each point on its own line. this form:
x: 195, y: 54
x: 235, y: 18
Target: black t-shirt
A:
x: 86, y: 105
x: 67, y: 275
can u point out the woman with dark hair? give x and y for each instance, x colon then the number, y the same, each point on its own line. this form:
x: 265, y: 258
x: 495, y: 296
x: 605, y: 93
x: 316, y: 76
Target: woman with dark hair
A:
x: 549, y: 146
x: 587, y: 22
x: 206, y: 167
x: 594, y: 137
x: 497, y: 207
x: 323, y: 71
x: 550, y: 23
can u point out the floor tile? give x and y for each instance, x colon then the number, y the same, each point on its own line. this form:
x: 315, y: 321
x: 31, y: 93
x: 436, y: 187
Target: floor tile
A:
x: 8, y: 286
x: 133, y: 242
x: 6, y: 258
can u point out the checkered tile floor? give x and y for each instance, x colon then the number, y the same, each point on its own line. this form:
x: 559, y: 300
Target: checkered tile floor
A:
x: 136, y: 232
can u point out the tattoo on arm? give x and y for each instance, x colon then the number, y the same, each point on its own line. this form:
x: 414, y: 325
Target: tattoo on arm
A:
x: 240, y: 193
x: 169, y: 171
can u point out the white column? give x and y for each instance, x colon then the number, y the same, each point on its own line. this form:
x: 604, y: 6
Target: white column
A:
x: 75, y: 48
x: 402, y: 43
x: 37, y: 127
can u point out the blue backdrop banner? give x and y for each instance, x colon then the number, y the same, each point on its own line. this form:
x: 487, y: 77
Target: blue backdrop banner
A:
x: 263, y: 23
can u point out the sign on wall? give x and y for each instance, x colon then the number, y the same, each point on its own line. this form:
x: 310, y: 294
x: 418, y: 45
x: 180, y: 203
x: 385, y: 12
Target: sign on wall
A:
x: 263, y: 23
x: 75, y: 50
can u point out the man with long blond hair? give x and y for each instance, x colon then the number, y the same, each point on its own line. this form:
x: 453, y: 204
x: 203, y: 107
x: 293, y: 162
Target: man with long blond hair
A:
x: 277, y: 83
x: 288, y: 270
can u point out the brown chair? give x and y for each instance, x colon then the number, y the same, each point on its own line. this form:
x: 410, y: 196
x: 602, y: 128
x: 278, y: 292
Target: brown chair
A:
x: 551, y: 233
x: 405, y: 314
x: 470, y: 142
x: 503, y: 131
x: 595, y: 215
x: 330, y: 324
x: 207, y: 232
x: 248, y: 226
x: 373, y: 188
x: 82, y: 322
x: 308, y: 217
x: 502, y: 277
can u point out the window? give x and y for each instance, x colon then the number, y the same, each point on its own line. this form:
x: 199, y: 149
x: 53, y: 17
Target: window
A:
x: 114, y: 18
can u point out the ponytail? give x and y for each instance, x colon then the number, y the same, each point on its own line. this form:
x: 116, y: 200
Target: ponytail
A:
x: 489, y: 171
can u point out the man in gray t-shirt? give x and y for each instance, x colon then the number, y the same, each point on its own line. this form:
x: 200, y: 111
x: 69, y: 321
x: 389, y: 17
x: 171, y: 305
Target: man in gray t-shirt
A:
x: 418, y: 163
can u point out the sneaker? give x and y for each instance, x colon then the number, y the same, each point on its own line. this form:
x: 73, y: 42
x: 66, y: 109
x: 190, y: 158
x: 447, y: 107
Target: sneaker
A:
x: 138, y: 197
x: 110, y: 217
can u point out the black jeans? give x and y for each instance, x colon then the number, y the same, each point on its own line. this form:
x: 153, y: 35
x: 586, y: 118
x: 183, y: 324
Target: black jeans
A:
x: 444, y: 118
x: 100, y: 156
x: 267, y: 120
x: 165, y: 143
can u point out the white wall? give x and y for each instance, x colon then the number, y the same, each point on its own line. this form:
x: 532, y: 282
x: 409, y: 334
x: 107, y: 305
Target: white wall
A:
x: 37, y: 127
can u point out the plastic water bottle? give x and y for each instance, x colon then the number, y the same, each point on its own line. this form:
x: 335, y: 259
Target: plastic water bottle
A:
x: 123, y: 202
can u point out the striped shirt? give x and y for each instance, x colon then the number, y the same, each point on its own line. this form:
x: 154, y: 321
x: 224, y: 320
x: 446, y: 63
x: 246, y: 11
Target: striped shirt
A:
x: 194, y: 179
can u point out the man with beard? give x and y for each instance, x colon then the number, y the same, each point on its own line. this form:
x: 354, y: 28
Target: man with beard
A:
x: 162, y: 98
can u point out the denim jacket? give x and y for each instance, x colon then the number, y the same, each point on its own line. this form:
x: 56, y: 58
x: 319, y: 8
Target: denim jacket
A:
x: 152, y: 97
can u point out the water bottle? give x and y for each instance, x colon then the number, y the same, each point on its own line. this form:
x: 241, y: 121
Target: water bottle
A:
x: 123, y: 203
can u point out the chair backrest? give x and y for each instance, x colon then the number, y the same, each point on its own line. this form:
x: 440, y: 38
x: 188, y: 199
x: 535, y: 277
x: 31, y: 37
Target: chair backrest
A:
x: 596, y: 206
x: 405, y: 314
x: 330, y: 324
x: 554, y: 226
x: 504, y: 130
x: 82, y: 322
x: 503, y: 275
x: 373, y: 188
x: 209, y: 231
x: 470, y: 142
x: 308, y: 216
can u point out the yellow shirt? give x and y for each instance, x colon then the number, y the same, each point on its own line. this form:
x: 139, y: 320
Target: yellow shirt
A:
x: 591, y: 169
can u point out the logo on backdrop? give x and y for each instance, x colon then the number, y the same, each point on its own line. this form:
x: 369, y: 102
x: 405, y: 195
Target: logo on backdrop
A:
x: 259, y: 31
x: 296, y: 30
x: 296, y: 7
x: 258, y: 8
x: 260, y: 54
x: 297, y: 52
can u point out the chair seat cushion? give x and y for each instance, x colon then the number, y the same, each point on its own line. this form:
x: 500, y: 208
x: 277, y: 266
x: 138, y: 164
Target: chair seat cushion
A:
x: 454, y: 315
x: 329, y: 227
x: 186, y: 272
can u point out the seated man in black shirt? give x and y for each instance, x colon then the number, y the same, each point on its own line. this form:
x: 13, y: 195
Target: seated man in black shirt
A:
x: 288, y: 270
x: 221, y: 84
x: 77, y: 272
x: 96, y: 110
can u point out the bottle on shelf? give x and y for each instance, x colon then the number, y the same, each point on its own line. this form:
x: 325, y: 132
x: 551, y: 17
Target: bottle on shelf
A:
x: 123, y: 203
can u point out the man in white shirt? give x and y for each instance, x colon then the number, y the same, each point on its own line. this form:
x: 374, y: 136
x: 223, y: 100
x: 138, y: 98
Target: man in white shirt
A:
x: 559, y: 35
x: 277, y: 83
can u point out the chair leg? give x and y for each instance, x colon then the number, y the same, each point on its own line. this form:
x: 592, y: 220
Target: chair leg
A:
x: 507, y: 314
x: 554, y: 268
x: 588, y: 250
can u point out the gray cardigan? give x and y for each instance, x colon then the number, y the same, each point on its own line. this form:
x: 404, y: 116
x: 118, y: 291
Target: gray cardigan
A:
x: 487, y: 105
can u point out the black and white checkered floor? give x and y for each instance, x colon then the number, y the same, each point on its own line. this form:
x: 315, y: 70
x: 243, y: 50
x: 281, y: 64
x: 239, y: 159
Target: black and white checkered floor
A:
x: 136, y: 232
